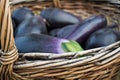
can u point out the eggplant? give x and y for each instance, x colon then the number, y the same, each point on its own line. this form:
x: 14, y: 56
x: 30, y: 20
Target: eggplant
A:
x: 85, y: 29
x: 58, y: 18
x: 80, y: 32
x: 45, y: 43
x: 20, y: 14
x: 54, y: 32
x: 111, y: 26
x: 63, y: 32
x: 66, y: 31
x: 34, y: 24
x: 102, y: 37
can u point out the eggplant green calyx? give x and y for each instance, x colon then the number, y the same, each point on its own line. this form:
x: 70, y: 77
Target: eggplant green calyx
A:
x: 71, y: 46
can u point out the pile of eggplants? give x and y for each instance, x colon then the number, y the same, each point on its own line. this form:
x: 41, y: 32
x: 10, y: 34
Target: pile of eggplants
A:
x: 81, y: 31
x: 57, y: 31
x: 58, y: 18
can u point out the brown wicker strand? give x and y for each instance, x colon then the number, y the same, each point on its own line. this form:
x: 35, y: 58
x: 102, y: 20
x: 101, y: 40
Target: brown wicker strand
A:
x: 10, y: 54
x: 57, y: 3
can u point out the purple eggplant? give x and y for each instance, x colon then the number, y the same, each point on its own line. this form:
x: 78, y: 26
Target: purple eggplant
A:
x: 66, y: 31
x: 20, y: 14
x: 80, y: 32
x: 85, y: 29
x: 54, y: 32
x: 45, y: 43
x: 58, y: 18
x: 102, y: 37
x: 63, y: 32
x: 34, y: 24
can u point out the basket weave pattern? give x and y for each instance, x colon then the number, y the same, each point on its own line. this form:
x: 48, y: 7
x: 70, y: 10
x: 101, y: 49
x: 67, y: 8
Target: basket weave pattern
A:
x: 98, y: 64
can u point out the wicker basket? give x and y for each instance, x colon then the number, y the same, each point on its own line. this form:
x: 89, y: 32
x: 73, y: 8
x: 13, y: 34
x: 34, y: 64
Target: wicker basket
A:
x: 97, y: 64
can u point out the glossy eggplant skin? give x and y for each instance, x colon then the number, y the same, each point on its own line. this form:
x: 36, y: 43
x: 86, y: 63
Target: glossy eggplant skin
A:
x: 102, y: 37
x: 66, y: 31
x: 39, y: 43
x: 54, y: 32
x: 58, y: 18
x: 20, y: 14
x: 34, y: 24
x: 63, y: 32
x: 85, y: 29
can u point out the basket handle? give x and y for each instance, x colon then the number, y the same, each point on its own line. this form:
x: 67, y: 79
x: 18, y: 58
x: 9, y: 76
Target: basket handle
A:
x: 9, y: 54
x: 57, y: 3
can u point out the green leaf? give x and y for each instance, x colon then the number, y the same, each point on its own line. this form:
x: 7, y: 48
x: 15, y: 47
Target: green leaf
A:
x: 71, y: 46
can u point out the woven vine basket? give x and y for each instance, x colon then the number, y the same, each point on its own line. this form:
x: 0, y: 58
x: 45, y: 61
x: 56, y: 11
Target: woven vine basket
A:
x: 97, y: 64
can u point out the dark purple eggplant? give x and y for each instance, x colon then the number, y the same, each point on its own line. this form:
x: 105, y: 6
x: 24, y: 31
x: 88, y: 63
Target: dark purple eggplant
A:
x: 63, y: 32
x: 66, y: 31
x: 20, y: 14
x: 58, y: 18
x: 111, y: 26
x: 34, y: 24
x: 85, y: 29
x: 44, y: 43
x: 54, y: 32
x: 102, y: 37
